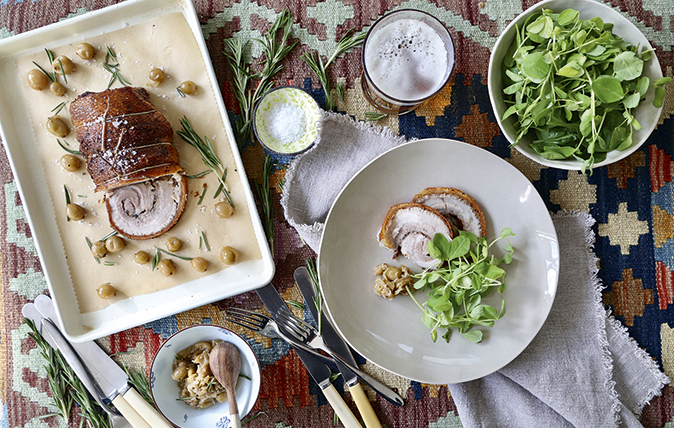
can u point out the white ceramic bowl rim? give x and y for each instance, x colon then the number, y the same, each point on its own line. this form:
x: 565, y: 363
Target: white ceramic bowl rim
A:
x: 165, y: 391
x: 646, y: 113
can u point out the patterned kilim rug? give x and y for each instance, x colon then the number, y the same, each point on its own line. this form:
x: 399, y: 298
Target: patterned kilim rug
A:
x: 631, y: 202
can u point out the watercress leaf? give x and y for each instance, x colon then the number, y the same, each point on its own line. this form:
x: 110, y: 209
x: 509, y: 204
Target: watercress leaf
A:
x: 458, y: 247
x: 514, y: 88
x: 474, y: 336
x: 642, y: 85
x: 635, y: 124
x: 568, y: 16
x: 502, y: 312
x: 534, y: 67
x: 632, y: 100
x: 506, y: 232
x: 571, y: 69
x: 434, y: 335
x: 627, y: 66
x: 608, y: 89
x: 515, y: 77
x: 488, y: 270
x: 510, y: 111
x: 662, y: 81
x: 428, y: 320
x: 626, y: 143
x: 659, y: 96
x: 420, y: 283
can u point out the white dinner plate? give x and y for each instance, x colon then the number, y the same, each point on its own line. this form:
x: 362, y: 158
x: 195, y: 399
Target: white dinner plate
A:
x: 390, y: 333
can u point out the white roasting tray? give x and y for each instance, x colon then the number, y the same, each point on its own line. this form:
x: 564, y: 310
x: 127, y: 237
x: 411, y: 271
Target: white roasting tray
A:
x: 19, y: 141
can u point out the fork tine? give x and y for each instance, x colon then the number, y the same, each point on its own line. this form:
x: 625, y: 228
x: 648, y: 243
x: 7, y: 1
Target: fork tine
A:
x: 246, y: 318
x: 291, y: 323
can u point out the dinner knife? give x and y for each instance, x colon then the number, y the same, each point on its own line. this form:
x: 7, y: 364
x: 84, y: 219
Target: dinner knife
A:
x: 110, y: 378
x: 337, y: 344
x: 317, y: 369
x: 118, y: 421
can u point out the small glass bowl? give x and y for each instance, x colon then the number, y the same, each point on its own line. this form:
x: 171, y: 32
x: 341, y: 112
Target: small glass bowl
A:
x: 287, y: 120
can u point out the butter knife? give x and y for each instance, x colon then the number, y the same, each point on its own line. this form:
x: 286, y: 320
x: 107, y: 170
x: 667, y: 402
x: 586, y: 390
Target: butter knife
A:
x: 317, y: 369
x: 337, y: 344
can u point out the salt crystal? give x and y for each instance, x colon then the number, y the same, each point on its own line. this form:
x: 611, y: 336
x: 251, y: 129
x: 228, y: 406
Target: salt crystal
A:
x: 287, y: 122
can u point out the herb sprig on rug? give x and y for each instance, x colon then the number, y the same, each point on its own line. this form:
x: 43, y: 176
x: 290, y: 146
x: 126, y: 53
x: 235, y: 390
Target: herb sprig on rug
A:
x: 265, y: 195
x: 313, y: 59
x: 275, y: 48
x: 66, y: 388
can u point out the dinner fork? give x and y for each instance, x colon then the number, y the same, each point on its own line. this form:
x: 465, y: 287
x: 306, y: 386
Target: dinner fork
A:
x: 298, y: 331
x: 267, y: 327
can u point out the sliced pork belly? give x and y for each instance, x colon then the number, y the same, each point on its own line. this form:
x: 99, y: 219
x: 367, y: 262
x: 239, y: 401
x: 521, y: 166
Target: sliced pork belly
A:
x: 459, y: 208
x: 407, y: 229
x: 127, y: 146
x: 148, y: 208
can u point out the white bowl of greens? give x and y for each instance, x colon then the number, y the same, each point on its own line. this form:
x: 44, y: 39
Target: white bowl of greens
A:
x: 575, y: 85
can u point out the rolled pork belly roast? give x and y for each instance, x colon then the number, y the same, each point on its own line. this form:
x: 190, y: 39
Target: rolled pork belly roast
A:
x: 459, y: 208
x: 408, y: 227
x: 127, y: 146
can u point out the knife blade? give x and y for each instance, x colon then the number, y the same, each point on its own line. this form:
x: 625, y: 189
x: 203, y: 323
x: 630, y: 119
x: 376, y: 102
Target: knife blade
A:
x: 30, y: 312
x: 317, y: 369
x: 338, y: 345
x: 110, y: 378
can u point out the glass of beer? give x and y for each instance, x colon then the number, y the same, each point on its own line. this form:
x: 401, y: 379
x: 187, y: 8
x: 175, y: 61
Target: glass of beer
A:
x: 408, y: 57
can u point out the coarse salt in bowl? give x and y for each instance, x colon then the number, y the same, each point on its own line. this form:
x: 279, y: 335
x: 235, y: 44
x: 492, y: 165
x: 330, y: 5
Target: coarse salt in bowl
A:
x: 647, y: 114
x: 165, y: 390
x: 287, y: 120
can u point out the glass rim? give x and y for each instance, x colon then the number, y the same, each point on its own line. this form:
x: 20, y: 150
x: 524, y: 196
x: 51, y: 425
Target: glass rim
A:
x: 381, y: 93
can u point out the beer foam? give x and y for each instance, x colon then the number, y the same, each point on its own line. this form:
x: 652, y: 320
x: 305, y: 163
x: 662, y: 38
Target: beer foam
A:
x: 406, y: 59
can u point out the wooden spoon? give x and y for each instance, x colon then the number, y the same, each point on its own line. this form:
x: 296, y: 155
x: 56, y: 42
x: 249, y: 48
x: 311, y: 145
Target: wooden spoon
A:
x: 225, y: 363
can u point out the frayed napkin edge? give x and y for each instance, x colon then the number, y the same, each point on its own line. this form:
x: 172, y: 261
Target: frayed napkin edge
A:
x: 600, y: 316
x: 309, y: 231
x: 603, y: 316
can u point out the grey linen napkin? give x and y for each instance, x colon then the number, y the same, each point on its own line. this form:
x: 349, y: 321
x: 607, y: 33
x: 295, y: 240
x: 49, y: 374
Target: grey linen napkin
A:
x: 581, y: 370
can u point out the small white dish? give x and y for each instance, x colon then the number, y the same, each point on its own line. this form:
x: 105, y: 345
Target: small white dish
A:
x: 165, y: 390
x: 390, y: 333
x: 287, y: 120
x: 646, y: 113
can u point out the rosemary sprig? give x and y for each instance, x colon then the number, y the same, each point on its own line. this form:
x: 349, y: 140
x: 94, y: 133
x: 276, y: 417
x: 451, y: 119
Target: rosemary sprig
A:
x: 63, y: 146
x: 111, y: 64
x: 50, y: 74
x: 180, y: 92
x: 89, y: 244
x: 201, y: 198
x: 65, y: 190
x: 275, y: 49
x: 207, y: 153
x: 199, y: 175
x: 264, y: 193
x: 318, y: 297
x: 56, y: 110
x: 315, y: 62
x: 155, y: 259
x: 174, y: 254
x: 140, y: 382
x: 220, y: 187
x: 109, y: 235
x: 373, y: 115
x: 54, y: 366
x: 66, y: 387
x: 295, y: 304
x: 203, y: 236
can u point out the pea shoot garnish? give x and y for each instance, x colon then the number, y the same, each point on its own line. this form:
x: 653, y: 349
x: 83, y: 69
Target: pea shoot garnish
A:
x: 208, y: 155
x: 465, y: 274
